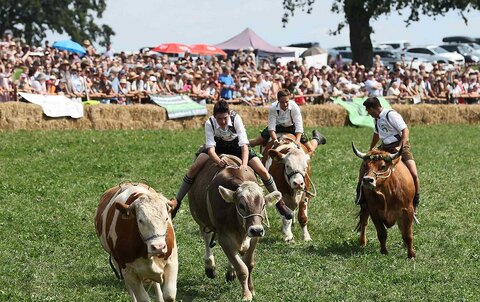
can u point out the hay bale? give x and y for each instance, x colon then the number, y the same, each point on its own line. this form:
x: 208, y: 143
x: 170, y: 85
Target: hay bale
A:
x: 27, y: 116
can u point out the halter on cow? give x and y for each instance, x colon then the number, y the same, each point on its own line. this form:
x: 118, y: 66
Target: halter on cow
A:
x: 289, y: 166
x: 389, y: 190
x: 232, y: 209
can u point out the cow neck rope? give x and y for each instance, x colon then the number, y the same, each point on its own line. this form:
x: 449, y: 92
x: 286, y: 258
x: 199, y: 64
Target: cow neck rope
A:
x: 313, y: 185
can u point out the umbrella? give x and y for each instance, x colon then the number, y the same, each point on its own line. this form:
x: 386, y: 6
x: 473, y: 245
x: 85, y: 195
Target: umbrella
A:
x: 171, y: 48
x: 312, y: 51
x: 69, y: 45
x: 206, y: 50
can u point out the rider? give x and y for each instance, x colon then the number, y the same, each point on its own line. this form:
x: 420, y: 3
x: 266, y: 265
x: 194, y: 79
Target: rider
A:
x: 391, y: 130
x: 284, y: 116
x: 225, y: 134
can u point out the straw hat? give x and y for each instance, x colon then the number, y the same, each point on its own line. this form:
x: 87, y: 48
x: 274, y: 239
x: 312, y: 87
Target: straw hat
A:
x: 132, y: 76
x: 123, y: 81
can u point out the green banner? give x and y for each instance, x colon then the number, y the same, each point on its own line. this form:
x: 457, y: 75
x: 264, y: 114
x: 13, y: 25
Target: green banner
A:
x: 356, y: 111
x: 178, y: 106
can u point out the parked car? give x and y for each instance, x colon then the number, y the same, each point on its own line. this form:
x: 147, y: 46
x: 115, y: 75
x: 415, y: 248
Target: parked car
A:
x: 435, y: 53
x: 398, y: 45
x: 473, y: 42
x: 388, y: 57
x: 342, y: 48
x: 346, y: 55
x: 471, y: 55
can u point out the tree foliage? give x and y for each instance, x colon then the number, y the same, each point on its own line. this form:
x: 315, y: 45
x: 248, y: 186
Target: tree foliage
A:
x: 359, y: 13
x: 30, y: 19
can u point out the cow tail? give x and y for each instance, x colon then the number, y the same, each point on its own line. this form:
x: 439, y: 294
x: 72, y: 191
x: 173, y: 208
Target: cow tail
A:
x: 114, y: 269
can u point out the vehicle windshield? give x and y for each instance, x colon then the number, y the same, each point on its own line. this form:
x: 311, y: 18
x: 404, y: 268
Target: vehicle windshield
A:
x: 438, y: 50
x: 465, y: 48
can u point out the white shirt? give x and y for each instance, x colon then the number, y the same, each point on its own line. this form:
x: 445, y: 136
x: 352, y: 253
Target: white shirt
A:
x: 225, y: 134
x: 287, y: 118
x: 387, y: 129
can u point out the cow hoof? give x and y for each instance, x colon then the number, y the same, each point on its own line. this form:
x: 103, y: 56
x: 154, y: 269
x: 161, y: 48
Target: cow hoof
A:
x: 247, y: 298
x: 385, y: 252
x: 289, y: 240
x: 230, y: 276
x: 210, y: 272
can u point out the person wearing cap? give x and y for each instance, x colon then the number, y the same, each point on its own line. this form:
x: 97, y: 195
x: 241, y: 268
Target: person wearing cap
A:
x: 392, y: 131
x: 39, y: 84
x: 284, y: 116
x: 226, y: 134
x: 374, y: 88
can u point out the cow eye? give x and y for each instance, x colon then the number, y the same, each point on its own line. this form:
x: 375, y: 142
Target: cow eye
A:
x: 383, y: 167
x: 140, y: 221
x: 241, y: 206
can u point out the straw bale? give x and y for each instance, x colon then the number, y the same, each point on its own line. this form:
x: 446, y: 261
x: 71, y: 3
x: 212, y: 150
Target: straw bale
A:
x: 19, y: 115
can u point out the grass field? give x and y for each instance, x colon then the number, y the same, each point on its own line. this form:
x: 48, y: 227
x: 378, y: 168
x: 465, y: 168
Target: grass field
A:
x: 51, y: 183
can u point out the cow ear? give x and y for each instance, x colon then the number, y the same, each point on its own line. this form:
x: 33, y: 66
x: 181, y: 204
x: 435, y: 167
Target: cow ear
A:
x: 273, y: 198
x: 276, y: 155
x: 125, y: 209
x: 226, y: 194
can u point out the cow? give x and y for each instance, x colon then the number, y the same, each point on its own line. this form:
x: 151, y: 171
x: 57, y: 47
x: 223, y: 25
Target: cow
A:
x: 388, y: 189
x: 134, y: 225
x: 229, y: 206
x: 289, y: 166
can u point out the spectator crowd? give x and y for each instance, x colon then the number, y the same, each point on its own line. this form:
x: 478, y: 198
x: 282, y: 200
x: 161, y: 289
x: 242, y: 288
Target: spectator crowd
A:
x: 241, y: 78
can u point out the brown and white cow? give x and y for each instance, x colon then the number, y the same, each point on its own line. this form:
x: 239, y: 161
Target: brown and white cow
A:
x: 289, y: 166
x: 229, y: 205
x: 388, y: 189
x: 134, y: 226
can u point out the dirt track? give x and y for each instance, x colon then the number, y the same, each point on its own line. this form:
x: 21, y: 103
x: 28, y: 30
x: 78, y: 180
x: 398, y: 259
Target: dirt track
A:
x: 17, y: 116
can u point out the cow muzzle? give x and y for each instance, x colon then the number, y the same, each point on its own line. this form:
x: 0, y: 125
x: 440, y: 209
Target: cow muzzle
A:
x: 157, y: 247
x: 296, y: 179
x: 256, y: 231
x: 369, y: 182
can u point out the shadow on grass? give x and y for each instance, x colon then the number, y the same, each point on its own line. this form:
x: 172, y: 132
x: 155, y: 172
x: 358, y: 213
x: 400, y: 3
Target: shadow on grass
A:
x: 202, y: 288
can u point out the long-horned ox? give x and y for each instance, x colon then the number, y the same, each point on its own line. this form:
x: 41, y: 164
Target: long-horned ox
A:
x: 229, y: 205
x: 289, y: 166
x: 134, y: 225
x: 388, y: 189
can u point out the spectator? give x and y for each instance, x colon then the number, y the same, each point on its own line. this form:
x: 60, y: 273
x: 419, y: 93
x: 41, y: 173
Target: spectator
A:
x: 374, y: 88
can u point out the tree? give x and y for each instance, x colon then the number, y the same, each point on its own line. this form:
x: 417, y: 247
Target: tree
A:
x: 358, y: 14
x: 30, y: 19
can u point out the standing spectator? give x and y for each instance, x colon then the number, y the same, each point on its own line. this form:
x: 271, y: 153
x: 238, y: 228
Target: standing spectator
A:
x: 227, y: 83
x: 374, y: 88
x: 89, y: 48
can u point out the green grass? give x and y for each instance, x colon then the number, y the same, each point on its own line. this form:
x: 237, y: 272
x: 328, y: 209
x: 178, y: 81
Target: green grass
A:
x: 51, y: 183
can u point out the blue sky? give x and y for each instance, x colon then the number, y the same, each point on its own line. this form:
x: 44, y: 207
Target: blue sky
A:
x: 152, y: 22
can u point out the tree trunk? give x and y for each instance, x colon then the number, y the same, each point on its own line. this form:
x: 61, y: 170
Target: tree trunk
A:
x: 359, y: 24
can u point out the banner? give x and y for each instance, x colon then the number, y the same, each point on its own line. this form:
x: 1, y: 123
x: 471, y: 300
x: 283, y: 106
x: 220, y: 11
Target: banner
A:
x: 356, y: 111
x: 56, y: 105
x: 178, y: 106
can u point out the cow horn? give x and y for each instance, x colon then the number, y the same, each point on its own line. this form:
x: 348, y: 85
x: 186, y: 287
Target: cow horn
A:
x: 395, y: 155
x: 358, y: 153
